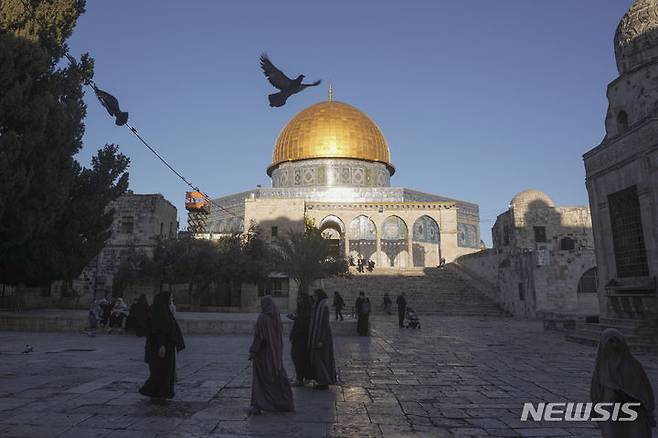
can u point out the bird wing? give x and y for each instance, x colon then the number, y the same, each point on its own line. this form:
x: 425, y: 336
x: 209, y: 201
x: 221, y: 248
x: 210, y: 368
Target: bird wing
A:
x: 312, y: 84
x: 273, y: 74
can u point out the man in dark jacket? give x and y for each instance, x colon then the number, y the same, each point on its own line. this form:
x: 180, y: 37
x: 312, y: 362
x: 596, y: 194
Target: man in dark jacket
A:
x: 402, y: 308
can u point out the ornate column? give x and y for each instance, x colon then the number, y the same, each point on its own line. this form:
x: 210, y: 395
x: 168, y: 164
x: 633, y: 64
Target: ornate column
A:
x: 410, y: 245
x: 378, y: 255
x: 346, y: 243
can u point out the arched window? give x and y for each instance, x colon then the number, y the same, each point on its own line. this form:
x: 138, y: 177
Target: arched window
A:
x: 425, y: 250
x: 394, y: 229
x: 426, y: 230
x: 363, y: 237
x: 362, y: 228
x: 622, y: 121
x: 588, y: 282
x: 394, y: 242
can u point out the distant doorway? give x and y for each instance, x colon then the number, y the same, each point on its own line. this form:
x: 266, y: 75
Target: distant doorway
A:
x: 333, y: 238
x: 333, y: 231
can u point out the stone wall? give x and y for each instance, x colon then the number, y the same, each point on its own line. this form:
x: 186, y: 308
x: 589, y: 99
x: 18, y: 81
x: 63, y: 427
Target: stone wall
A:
x: 527, y: 286
x: 622, y: 174
x: 139, y: 220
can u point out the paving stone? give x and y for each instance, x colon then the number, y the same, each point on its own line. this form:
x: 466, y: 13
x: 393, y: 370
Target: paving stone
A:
x: 458, y: 377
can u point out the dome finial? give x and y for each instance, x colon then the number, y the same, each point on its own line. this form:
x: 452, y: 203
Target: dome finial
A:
x: 330, y: 97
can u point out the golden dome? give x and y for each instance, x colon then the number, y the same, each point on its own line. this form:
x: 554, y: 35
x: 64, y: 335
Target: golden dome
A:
x: 331, y: 130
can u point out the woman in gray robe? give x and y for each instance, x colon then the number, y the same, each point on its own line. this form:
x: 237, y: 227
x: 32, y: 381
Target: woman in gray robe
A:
x: 270, y: 388
x: 619, y: 377
x: 321, y: 343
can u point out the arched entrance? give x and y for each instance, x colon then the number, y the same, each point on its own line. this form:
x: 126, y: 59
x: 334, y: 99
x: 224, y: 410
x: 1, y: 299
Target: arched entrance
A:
x: 426, y: 239
x: 333, y: 229
x: 395, y: 243
x: 363, y: 238
x: 588, y: 283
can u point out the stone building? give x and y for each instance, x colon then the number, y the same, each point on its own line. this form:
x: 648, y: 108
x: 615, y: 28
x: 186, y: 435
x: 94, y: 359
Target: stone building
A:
x: 622, y: 173
x: 331, y: 164
x: 542, y: 262
x: 139, y: 221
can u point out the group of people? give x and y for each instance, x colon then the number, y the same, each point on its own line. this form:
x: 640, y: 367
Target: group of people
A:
x: 617, y: 376
x: 362, y: 309
x: 117, y: 315
x: 361, y: 263
x: 312, y: 352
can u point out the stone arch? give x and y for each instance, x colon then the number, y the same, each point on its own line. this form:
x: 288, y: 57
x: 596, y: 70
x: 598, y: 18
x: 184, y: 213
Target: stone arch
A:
x: 588, y: 282
x: 363, y: 237
x: 425, y: 241
x: 334, y: 222
x: 395, y: 242
x: 333, y: 229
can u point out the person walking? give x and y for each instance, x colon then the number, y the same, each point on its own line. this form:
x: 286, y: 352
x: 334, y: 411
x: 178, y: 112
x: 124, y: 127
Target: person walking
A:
x: 402, y: 308
x: 321, y: 343
x: 163, y: 341
x: 270, y: 388
x: 362, y: 308
x: 388, y: 303
x: 299, y: 351
x: 139, y: 313
x: 620, y: 378
x: 339, y: 304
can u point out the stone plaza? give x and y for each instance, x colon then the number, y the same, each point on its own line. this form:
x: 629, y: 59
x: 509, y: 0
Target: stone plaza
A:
x: 455, y: 377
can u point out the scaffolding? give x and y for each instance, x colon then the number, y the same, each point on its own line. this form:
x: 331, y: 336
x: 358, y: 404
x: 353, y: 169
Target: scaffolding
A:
x: 198, y: 209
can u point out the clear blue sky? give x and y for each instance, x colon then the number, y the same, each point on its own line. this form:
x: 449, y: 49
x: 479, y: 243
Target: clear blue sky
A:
x: 478, y: 100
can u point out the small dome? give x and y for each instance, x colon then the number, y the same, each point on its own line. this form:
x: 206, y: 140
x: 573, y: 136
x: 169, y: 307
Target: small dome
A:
x: 525, y: 198
x: 636, y: 39
x: 331, y: 129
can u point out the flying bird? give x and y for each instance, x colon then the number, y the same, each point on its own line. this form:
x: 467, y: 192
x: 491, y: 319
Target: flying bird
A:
x: 278, y: 79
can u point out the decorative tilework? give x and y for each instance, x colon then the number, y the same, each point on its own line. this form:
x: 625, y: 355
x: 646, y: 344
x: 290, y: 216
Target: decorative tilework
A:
x: 467, y: 236
x: 426, y: 230
x: 331, y: 173
x: 394, y: 228
x: 362, y: 228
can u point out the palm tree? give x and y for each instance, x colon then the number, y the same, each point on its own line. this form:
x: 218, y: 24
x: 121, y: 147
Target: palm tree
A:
x: 306, y: 257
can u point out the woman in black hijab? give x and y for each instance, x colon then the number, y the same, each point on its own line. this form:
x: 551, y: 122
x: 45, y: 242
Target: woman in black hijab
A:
x: 321, y: 343
x: 163, y: 340
x: 270, y: 388
x: 139, y: 313
x: 301, y: 356
x: 619, y: 378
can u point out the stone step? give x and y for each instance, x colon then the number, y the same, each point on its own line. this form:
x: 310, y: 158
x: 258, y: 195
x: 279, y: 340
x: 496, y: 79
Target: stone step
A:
x: 595, y: 333
x: 628, y: 322
x: 626, y: 331
x: 428, y: 290
x: 584, y: 338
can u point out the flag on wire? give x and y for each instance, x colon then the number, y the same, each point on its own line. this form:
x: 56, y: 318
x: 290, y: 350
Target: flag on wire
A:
x: 111, y: 104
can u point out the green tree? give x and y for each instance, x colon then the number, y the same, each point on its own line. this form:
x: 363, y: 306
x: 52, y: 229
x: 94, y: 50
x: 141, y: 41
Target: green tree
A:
x: 243, y: 258
x: 199, y: 263
x: 54, y: 214
x: 306, y: 257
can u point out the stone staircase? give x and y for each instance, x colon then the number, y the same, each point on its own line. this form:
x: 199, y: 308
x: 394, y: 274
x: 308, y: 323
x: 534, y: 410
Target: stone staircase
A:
x: 428, y: 290
x: 641, y: 336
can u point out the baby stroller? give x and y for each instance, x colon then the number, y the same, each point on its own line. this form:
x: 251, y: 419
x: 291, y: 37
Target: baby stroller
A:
x: 412, y: 317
